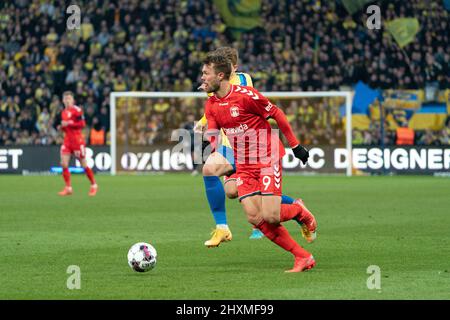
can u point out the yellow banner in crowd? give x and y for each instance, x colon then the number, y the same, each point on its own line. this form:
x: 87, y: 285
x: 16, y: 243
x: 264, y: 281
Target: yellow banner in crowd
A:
x: 240, y: 14
x: 403, y: 99
x: 447, y: 100
x: 354, y: 5
x: 403, y: 30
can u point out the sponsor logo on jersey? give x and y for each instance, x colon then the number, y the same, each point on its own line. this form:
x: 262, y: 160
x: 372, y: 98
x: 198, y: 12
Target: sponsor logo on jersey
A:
x: 239, y: 181
x: 240, y: 129
x: 223, y: 104
x: 269, y: 106
x: 234, y: 110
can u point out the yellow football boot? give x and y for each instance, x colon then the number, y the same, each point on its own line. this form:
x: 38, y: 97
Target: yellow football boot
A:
x: 218, y: 235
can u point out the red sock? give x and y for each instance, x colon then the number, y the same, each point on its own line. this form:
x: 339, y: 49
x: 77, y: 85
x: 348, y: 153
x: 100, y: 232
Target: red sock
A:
x: 66, y: 176
x: 90, y: 174
x: 289, y: 212
x: 279, y: 235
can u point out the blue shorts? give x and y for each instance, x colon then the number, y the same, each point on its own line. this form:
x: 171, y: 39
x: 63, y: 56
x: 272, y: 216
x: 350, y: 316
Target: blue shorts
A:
x: 228, y: 154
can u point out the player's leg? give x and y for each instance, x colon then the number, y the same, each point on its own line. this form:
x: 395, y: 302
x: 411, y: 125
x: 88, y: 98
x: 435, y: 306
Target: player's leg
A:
x: 217, y: 165
x: 81, y: 155
x: 274, y: 211
x: 252, y: 202
x: 229, y: 184
x: 252, y: 208
x: 65, y: 159
x: 256, y: 233
x: 306, y: 219
x: 231, y: 192
x: 298, y: 212
x: 287, y: 200
x: 277, y: 233
x: 277, y: 210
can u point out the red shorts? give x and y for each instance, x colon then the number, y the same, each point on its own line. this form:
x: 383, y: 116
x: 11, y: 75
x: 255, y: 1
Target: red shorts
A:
x: 263, y: 181
x: 78, y: 150
x: 231, y: 177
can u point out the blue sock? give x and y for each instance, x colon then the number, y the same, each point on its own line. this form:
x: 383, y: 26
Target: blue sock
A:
x: 216, y: 198
x: 287, y: 200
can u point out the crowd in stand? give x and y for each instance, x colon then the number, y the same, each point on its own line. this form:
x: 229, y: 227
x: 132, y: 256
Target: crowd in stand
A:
x: 373, y: 136
x: 151, y: 121
x: 155, y: 45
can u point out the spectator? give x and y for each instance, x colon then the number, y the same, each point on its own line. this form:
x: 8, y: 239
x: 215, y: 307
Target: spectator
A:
x: 143, y: 45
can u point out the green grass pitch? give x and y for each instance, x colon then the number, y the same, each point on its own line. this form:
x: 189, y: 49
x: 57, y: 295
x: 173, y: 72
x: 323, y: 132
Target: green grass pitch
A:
x: 401, y: 224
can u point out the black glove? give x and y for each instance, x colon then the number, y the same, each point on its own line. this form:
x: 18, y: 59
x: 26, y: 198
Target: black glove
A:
x: 301, y: 153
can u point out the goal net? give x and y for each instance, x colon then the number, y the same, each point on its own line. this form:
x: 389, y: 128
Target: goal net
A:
x: 152, y: 131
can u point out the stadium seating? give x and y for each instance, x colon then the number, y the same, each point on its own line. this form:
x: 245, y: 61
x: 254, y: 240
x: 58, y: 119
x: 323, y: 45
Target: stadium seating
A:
x: 125, y: 46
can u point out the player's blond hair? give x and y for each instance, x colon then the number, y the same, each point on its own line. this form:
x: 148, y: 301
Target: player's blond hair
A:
x: 68, y: 93
x: 230, y: 53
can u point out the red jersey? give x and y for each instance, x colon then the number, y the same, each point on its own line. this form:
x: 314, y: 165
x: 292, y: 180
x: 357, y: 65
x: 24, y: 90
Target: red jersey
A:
x: 72, y: 132
x: 243, y: 114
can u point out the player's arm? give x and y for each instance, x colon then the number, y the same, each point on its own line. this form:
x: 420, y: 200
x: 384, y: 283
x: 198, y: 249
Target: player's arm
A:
x: 279, y: 116
x: 264, y: 107
x: 57, y: 122
x: 78, y: 122
x: 213, y: 132
x: 201, y: 124
x: 203, y: 121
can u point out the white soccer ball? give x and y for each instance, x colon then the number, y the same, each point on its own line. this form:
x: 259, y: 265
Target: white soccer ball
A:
x: 142, y: 257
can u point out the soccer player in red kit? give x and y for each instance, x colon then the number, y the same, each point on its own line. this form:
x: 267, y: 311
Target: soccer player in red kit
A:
x: 72, y: 122
x: 242, y: 113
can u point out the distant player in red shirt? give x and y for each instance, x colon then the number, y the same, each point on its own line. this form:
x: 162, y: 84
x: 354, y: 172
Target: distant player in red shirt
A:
x: 72, y: 122
x: 242, y: 113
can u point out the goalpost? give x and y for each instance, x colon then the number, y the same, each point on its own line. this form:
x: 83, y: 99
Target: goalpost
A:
x: 116, y: 96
